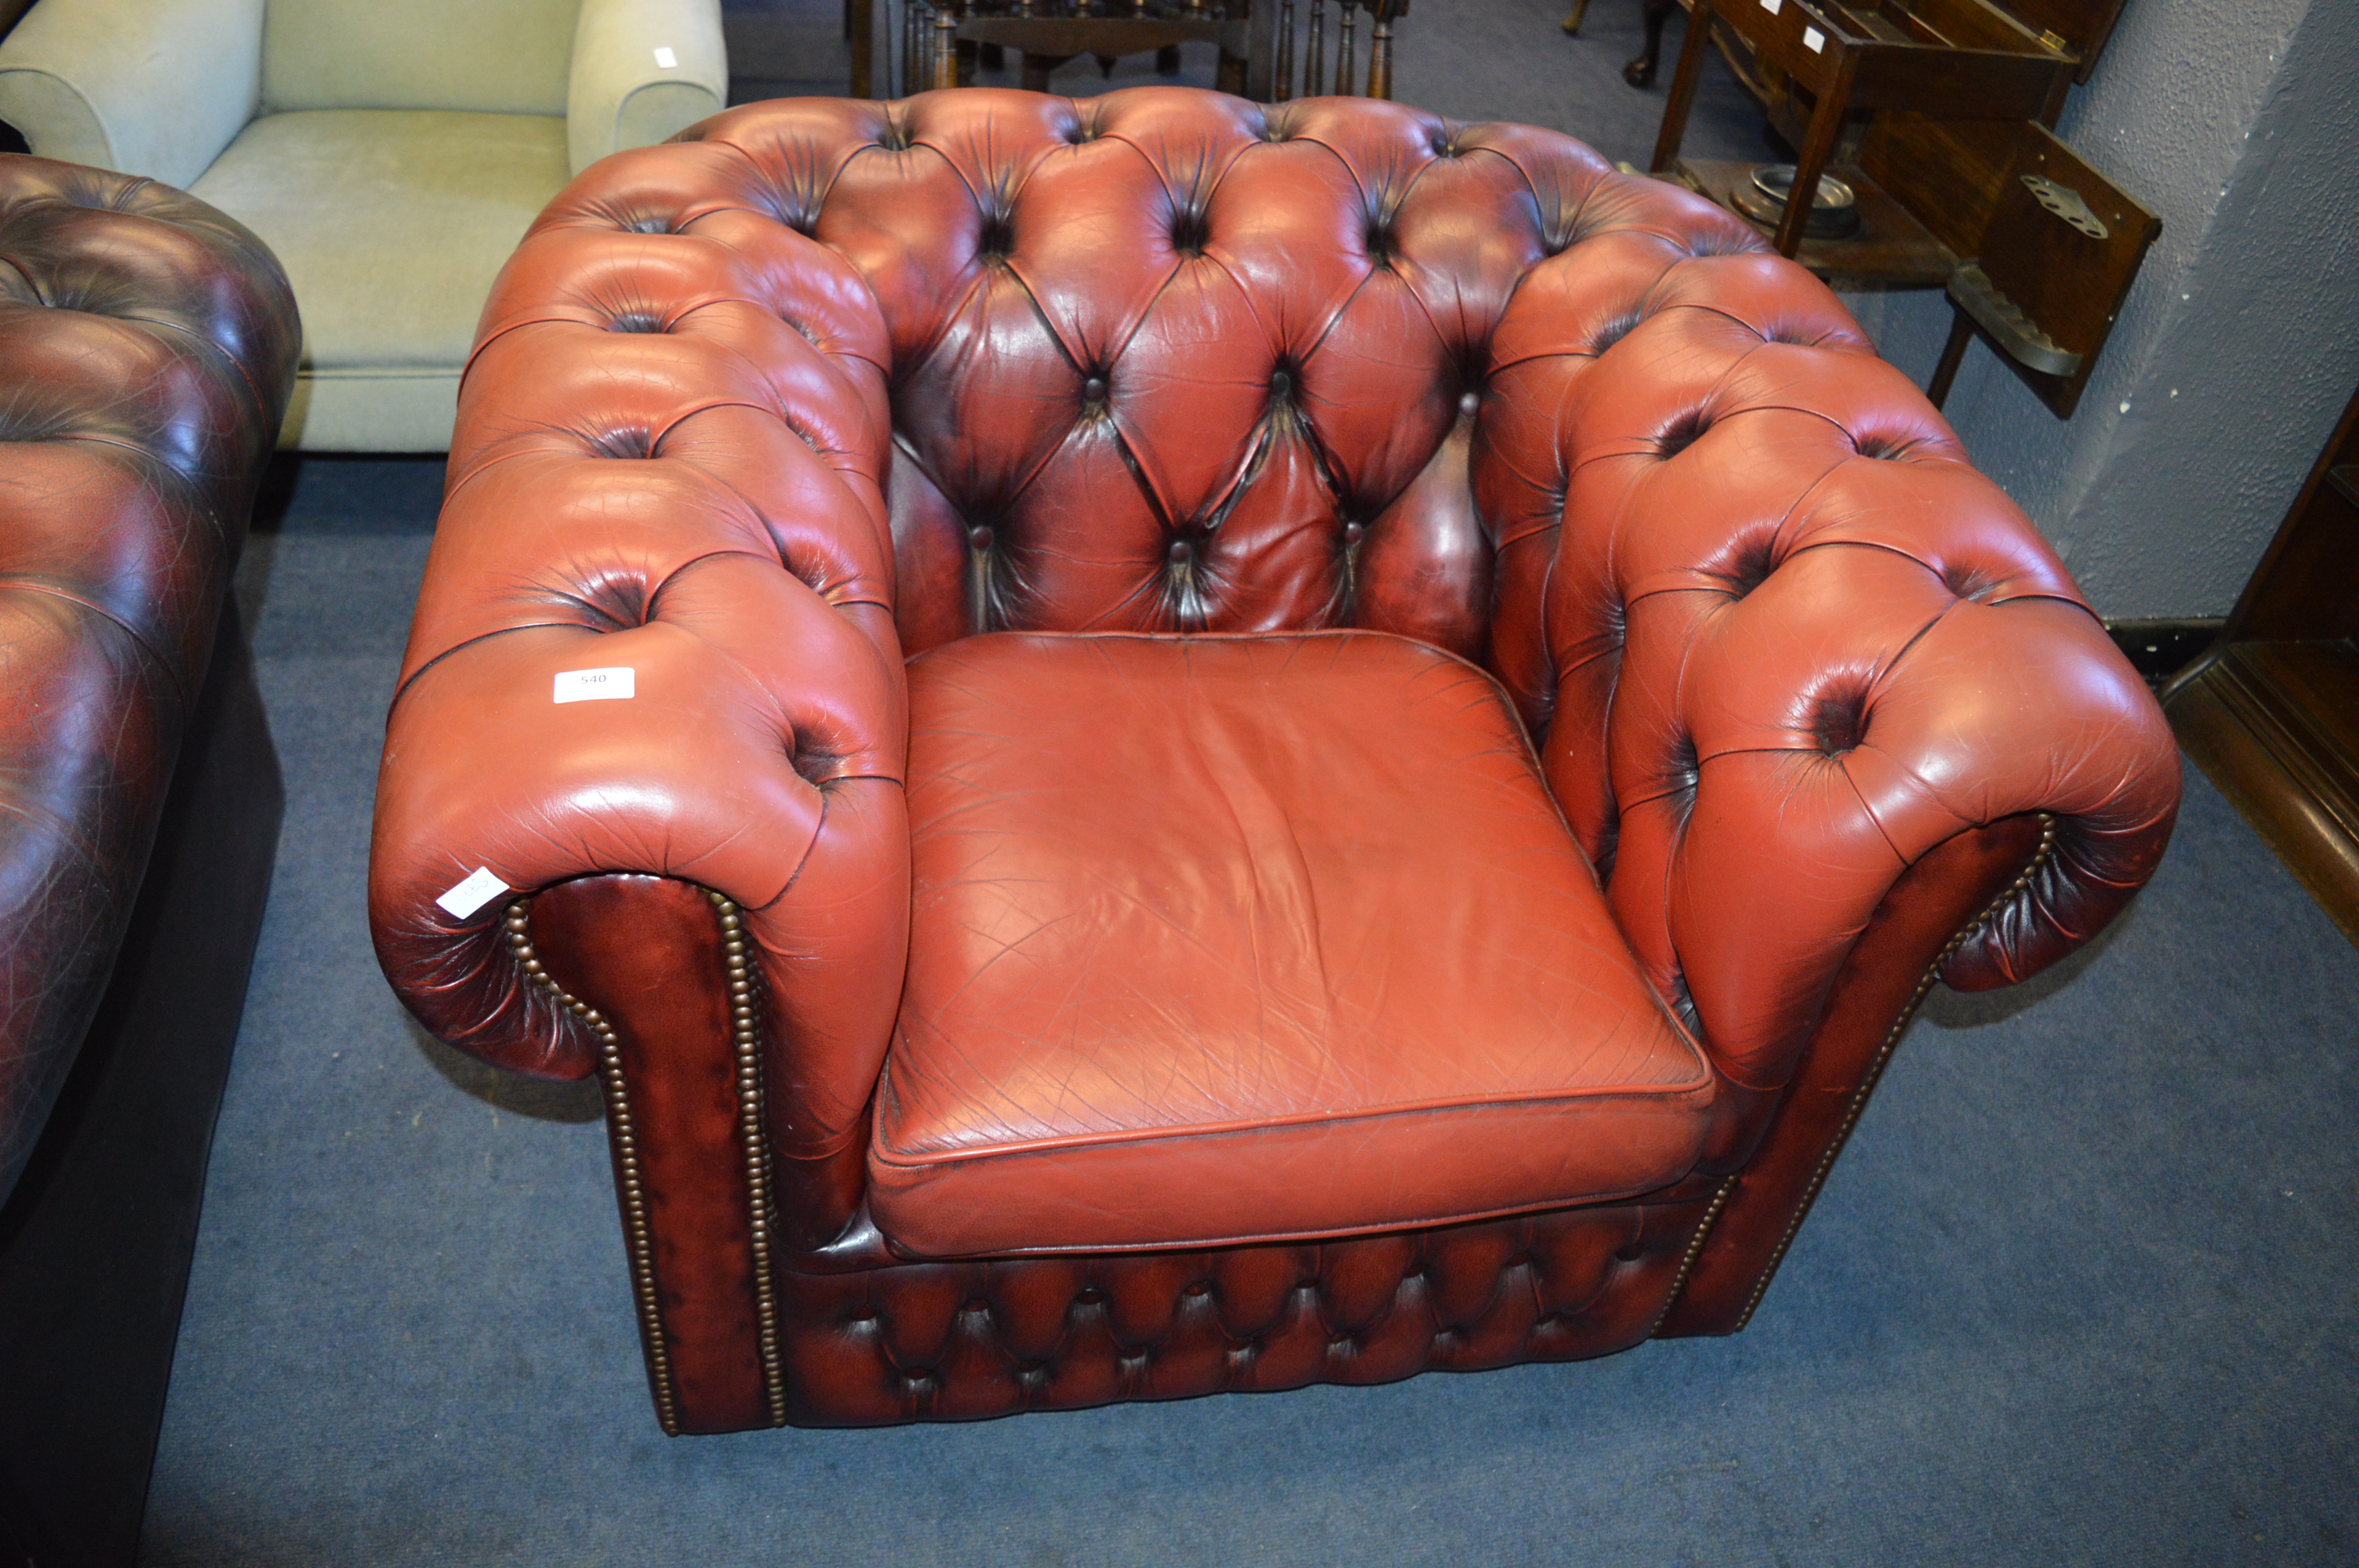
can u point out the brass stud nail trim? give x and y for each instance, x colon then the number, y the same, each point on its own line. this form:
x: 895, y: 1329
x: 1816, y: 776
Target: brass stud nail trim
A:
x: 1695, y: 1249
x: 638, y: 1241
x: 746, y: 1047
x: 751, y: 1139
x: 1884, y: 1054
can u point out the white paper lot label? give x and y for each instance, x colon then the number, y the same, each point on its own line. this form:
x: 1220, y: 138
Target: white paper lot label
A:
x: 1772, y: 5
x: 480, y: 888
x: 1814, y: 40
x: 596, y: 686
x: 666, y: 58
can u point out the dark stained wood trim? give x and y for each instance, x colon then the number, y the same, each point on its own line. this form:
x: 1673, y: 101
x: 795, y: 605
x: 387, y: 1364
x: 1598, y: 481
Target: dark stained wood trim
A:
x: 2305, y: 809
x: 2271, y: 714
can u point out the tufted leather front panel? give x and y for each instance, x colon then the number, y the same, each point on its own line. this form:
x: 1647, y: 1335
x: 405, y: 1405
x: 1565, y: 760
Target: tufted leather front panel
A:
x: 962, y: 1341
x: 147, y: 344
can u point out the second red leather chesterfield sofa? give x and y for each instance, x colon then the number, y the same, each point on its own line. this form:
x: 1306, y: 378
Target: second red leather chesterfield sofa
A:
x: 147, y: 349
x: 1160, y: 745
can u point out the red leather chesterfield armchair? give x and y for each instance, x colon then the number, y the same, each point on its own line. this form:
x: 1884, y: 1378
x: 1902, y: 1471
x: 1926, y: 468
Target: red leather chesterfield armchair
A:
x: 1262, y: 745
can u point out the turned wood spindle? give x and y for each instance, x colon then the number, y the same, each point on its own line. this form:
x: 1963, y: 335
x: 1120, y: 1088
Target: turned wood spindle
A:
x: 1282, y: 83
x: 1345, y: 48
x: 1380, y: 58
x: 945, y: 49
x: 1314, y: 54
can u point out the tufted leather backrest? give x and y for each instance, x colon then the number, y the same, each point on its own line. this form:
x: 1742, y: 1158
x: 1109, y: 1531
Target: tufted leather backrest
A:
x: 1166, y: 360
x: 147, y: 346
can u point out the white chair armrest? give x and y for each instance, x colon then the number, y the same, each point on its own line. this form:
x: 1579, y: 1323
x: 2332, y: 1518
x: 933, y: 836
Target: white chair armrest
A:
x: 148, y: 87
x: 623, y: 93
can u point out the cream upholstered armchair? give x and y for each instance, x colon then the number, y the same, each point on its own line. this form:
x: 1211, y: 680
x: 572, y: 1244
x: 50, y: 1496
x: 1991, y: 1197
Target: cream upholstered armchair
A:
x: 391, y: 155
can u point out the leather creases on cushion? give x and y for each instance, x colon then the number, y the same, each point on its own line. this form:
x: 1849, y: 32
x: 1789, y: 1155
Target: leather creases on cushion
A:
x: 1220, y: 938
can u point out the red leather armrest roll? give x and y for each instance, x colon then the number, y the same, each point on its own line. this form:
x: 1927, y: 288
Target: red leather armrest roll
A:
x: 1795, y: 641
x: 668, y: 460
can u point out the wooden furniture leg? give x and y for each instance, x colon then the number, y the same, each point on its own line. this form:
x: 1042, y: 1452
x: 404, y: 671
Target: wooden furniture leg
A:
x: 1314, y: 57
x: 1953, y: 352
x: 1655, y: 14
x: 945, y: 49
x: 1579, y: 12
x: 1818, y: 146
x: 1684, y: 88
x: 1281, y: 87
x: 860, y: 27
x: 1037, y: 67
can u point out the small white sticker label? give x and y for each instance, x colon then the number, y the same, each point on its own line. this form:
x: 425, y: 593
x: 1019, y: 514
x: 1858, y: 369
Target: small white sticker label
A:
x: 596, y: 686
x: 1773, y: 6
x: 480, y: 888
x: 1814, y: 40
x: 666, y: 59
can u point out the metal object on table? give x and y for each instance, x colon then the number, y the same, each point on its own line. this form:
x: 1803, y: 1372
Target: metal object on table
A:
x: 2066, y: 203
x: 1835, y: 214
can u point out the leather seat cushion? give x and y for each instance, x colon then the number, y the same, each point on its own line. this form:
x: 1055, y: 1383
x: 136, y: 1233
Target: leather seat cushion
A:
x: 1252, y: 937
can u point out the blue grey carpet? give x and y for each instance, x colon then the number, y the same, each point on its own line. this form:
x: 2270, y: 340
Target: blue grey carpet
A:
x: 2081, y: 1292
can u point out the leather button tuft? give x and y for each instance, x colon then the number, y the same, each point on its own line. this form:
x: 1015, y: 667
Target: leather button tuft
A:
x: 1094, y: 390
x: 1180, y: 552
x: 979, y: 538
x: 1353, y: 532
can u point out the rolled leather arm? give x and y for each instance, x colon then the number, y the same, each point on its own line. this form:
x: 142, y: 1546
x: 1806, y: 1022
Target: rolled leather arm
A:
x: 621, y: 94
x: 1793, y: 640
x: 147, y: 344
x: 150, y: 87
x: 669, y: 459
